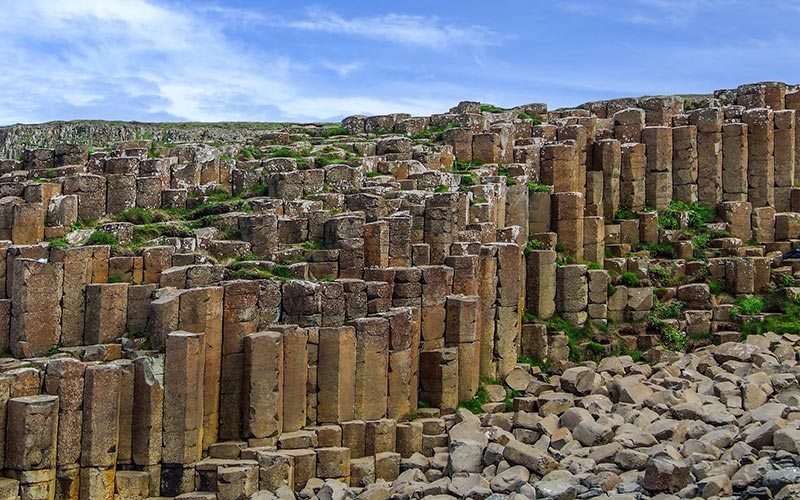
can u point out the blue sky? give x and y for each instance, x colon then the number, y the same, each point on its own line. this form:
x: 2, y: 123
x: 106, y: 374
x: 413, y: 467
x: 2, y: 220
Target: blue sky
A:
x: 168, y: 60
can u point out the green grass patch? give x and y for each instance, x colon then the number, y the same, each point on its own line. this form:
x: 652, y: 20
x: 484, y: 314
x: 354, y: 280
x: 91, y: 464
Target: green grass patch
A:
x: 256, y: 190
x: 526, y: 116
x: 102, y: 238
x: 667, y: 310
x: 543, y: 365
x: 699, y: 243
x: 490, y: 108
x: 785, y: 281
x: 468, y: 180
x: 434, y: 133
x: 60, y: 242
x: 218, y: 194
x: 595, y: 348
x: 142, y: 216
x: 441, y: 188
x: 534, y: 187
x: 250, y: 273
x: 575, y: 335
x: 249, y: 153
x: 699, y: 215
x: 145, y: 233
x: 334, y: 131
x: 474, y: 405
x: 281, y: 271
x: 231, y: 233
x: 671, y: 338
x: 661, y: 276
x: 210, y: 208
x: 532, y: 245
x: 283, y: 153
x: 461, y: 167
x: 750, y: 306
x: 323, y: 161
x: 629, y: 279
x: 625, y: 213
x: 663, y: 250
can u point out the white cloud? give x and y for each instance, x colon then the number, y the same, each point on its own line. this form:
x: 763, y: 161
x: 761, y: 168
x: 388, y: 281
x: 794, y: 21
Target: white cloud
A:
x: 421, y: 31
x: 671, y: 13
x: 337, y: 106
x: 342, y: 69
x: 137, y: 59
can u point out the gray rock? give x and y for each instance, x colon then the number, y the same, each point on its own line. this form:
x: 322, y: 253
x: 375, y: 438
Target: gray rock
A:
x: 788, y: 492
x: 493, y: 453
x: 775, y: 480
x: 591, y: 433
x: 574, y: 416
x: 411, y: 476
x: 787, y: 440
x: 416, y: 461
x: 332, y: 490
x: 535, y: 460
x: 465, y: 456
x: 715, y: 486
x: 263, y: 495
x: 631, y: 390
x: 460, y: 484
x: 734, y: 351
x: 497, y: 393
x: 438, y: 487
x: 556, y: 490
x: 768, y: 411
x: 665, y: 475
x: 765, y: 434
x: 510, y: 480
x: 631, y: 459
x: 579, y: 380
x: 518, y: 379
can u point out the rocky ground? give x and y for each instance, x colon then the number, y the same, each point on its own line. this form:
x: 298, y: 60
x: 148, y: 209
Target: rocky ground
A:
x: 719, y: 423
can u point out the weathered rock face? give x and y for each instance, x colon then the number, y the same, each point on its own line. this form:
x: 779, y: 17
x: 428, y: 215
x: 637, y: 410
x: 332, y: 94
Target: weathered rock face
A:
x: 261, y: 313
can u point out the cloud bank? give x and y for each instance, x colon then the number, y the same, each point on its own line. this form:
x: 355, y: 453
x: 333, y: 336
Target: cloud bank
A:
x: 117, y: 59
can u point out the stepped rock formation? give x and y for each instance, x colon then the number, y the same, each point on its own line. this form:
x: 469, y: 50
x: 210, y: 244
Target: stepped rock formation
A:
x: 583, y: 303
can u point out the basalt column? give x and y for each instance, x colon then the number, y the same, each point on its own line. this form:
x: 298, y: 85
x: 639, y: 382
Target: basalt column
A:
x: 684, y: 163
x: 183, y: 411
x: 658, y: 143
x: 760, y: 156
x: 734, y: 162
x: 784, y: 159
x: 709, y: 155
x: 462, y: 334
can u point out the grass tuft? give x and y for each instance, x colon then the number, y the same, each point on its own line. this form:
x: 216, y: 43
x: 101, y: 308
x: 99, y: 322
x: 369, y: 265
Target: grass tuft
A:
x: 102, y: 238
